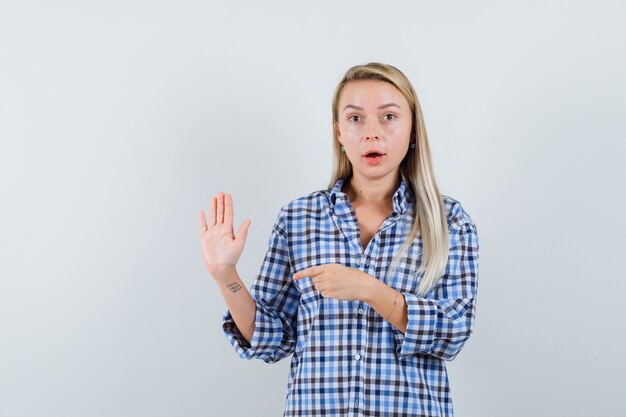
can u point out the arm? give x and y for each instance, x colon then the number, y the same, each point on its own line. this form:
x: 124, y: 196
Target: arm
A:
x: 273, y: 332
x: 440, y: 324
x: 239, y: 301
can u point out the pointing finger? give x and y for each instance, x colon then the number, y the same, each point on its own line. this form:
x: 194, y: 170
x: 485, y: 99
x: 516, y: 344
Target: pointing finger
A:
x: 300, y: 274
x: 312, y: 271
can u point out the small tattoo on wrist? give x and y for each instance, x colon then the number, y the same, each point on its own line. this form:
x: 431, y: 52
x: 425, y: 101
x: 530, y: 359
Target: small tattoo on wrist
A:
x: 234, y: 286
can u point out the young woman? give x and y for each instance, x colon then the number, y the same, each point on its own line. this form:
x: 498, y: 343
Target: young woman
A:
x: 371, y: 283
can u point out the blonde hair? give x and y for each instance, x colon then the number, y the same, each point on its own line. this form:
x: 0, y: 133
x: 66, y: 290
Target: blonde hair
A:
x: 416, y: 170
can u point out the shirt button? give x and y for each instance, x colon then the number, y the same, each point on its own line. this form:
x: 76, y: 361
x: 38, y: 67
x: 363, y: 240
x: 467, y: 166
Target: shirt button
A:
x: 356, y: 403
x: 357, y: 356
x: 358, y: 262
x: 360, y: 310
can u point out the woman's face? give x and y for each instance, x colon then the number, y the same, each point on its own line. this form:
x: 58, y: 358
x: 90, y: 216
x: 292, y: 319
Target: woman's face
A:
x: 373, y: 116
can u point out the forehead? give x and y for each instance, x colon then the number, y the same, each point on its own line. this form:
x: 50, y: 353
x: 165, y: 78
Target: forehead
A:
x: 368, y: 93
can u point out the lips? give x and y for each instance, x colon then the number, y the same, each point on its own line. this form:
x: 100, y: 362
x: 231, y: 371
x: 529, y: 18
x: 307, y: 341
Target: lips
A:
x: 373, y: 153
x: 373, y: 158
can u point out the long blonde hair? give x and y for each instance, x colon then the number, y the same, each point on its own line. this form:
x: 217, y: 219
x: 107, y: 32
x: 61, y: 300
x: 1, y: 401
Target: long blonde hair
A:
x: 416, y: 170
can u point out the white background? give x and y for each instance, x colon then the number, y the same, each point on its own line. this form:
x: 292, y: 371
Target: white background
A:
x: 119, y: 120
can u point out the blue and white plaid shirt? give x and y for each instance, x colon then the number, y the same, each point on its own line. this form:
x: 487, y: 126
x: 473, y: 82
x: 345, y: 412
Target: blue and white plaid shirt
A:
x: 347, y: 360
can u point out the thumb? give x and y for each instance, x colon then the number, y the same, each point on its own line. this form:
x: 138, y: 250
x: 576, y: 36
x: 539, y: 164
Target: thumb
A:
x: 242, y: 232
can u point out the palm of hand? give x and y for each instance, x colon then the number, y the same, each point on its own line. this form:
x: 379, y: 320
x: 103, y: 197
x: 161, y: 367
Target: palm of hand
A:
x: 221, y: 249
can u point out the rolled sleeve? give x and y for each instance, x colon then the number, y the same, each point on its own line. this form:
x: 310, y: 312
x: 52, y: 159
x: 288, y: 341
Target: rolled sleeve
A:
x: 440, y: 325
x: 267, y: 340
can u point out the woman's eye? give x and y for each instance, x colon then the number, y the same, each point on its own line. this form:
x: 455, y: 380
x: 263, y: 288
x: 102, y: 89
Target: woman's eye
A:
x: 393, y: 116
x: 351, y: 118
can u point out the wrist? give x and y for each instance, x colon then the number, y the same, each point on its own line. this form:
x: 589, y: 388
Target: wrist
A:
x: 393, y: 306
x: 371, y: 288
x: 224, y: 273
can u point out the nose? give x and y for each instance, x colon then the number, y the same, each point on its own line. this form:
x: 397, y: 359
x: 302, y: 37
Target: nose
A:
x: 372, y: 129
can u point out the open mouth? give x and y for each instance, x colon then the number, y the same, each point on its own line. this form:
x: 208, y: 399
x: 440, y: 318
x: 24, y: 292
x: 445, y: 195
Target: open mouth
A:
x: 373, y: 157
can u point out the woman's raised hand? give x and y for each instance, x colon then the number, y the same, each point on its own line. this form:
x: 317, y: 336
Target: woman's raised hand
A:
x: 221, y: 249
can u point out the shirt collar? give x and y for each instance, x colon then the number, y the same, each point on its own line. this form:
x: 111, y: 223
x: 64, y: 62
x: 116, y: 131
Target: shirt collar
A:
x: 401, y: 198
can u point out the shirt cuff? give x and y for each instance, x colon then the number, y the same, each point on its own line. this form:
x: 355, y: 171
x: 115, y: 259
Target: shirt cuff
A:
x: 421, y: 326
x: 266, y: 338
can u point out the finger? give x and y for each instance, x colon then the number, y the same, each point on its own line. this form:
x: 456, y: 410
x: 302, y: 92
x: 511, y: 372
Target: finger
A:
x: 202, y: 220
x: 212, y: 211
x: 317, y: 280
x: 301, y: 274
x: 228, y: 209
x: 312, y: 271
x: 242, y: 233
x: 316, y: 270
x: 220, y: 208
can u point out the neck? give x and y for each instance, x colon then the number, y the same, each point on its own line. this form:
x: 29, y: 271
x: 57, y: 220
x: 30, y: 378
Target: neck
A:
x: 372, y: 190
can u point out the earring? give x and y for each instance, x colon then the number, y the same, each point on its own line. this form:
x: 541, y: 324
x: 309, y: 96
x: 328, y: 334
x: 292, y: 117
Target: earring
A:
x: 343, y: 149
x: 412, y: 146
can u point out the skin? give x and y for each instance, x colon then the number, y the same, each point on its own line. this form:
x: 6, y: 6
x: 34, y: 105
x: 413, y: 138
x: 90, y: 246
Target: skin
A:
x: 387, y: 129
x: 221, y: 248
x: 362, y: 124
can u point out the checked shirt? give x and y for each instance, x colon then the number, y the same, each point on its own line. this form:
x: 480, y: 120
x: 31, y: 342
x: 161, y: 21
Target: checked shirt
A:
x: 347, y: 360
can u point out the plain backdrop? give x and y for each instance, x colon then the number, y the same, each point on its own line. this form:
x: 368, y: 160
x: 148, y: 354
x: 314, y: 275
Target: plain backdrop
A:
x: 119, y: 121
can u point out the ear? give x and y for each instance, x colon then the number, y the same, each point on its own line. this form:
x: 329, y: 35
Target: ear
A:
x: 336, y: 128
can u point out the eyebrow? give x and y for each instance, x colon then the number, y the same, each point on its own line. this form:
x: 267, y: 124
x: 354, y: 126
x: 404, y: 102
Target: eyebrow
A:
x: 381, y: 107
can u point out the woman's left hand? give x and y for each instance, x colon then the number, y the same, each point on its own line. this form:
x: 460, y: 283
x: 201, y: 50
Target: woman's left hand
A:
x: 339, y: 281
